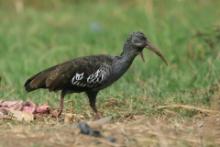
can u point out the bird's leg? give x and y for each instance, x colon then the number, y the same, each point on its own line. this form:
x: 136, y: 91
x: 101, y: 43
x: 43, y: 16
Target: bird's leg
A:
x: 92, y: 101
x: 61, y: 103
x: 59, y: 112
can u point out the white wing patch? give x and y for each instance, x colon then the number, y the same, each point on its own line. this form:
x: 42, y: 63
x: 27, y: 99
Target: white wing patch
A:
x: 96, y: 77
x: 92, y: 80
x: 77, y: 78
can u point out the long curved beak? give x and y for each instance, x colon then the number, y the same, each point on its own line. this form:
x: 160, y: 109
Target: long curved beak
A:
x: 156, y: 51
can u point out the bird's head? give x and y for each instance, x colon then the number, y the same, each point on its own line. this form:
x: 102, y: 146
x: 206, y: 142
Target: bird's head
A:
x: 137, y: 41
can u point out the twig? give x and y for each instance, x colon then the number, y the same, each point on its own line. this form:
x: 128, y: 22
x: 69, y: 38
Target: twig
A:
x: 100, y: 122
x: 108, y: 143
x: 192, y: 140
x: 188, y: 107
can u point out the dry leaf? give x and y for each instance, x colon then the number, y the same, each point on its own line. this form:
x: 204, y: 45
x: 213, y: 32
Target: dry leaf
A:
x: 22, y: 116
x: 68, y: 117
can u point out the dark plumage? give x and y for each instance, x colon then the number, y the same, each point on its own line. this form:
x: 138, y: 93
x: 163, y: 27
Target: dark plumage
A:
x: 90, y: 74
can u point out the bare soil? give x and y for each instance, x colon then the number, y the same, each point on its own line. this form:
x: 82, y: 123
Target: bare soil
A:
x: 131, y: 131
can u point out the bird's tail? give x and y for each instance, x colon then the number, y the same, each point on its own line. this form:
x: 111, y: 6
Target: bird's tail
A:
x: 35, y: 82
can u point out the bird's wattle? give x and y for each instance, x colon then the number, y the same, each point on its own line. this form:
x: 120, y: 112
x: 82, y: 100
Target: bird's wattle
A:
x: 142, y: 56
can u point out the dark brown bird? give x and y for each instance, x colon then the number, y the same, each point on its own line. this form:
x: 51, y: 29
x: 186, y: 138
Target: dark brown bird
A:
x: 90, y: 74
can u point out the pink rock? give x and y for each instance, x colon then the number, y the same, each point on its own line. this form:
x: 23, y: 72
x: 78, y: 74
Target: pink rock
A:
x: 42, y: 109
x: 15, y: 105
x: 29, y: 107
x: 22, y: 110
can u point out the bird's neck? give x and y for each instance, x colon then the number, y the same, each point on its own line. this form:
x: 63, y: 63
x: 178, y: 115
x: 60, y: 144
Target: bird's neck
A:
x: 125, y: 60
x: 128, y: 54
x: 122, y: 63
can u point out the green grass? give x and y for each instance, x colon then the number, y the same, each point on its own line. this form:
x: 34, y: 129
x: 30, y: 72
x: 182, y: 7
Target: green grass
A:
x: 40, y: 37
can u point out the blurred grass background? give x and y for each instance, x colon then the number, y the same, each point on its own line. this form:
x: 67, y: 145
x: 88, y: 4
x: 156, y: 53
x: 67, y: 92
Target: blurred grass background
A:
x: 36, y: 34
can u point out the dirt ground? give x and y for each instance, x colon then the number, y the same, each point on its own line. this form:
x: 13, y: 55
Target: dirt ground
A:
x: 131, y: 131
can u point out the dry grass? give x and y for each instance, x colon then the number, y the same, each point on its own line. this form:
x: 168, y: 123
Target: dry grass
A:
x: 138, y: 131
x: 168, y: 129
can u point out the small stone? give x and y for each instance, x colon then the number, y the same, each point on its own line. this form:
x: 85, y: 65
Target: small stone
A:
x: 95, y: 133
x: 111, y: 139
x: 84, y: 128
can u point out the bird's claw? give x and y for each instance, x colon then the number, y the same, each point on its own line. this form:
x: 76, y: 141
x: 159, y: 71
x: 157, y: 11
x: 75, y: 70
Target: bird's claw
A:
x: 56, y: 113
x: 98, y: 115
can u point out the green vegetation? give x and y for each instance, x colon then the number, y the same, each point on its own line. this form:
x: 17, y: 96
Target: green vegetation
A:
x: 188, y: 33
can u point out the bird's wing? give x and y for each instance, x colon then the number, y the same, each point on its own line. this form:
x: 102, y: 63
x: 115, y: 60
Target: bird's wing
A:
x: 92, y: 79
x: 80, y: 74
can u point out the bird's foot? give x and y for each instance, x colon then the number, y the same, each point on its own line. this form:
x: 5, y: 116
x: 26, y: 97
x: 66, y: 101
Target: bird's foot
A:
x: 56, y: 113
x: 98, y: 115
